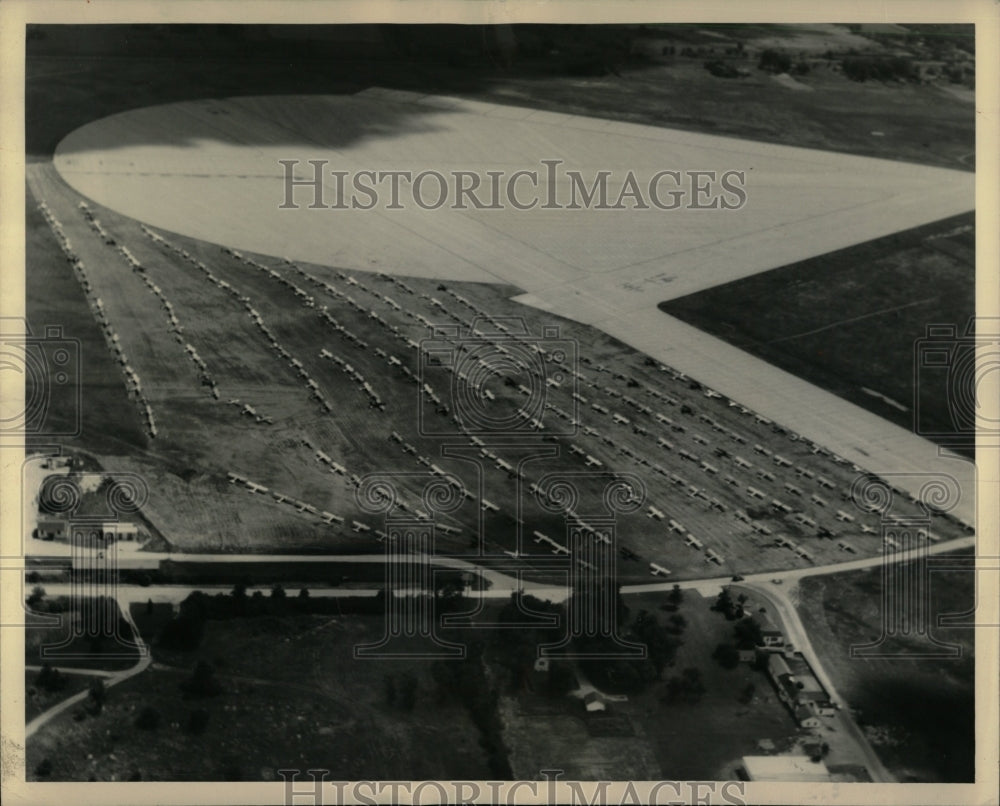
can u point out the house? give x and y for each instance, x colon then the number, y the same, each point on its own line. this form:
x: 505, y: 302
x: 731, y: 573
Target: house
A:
x: 51, y: 529
x: 787, y: 769
x: 805, y: 717
x: 771, y: 634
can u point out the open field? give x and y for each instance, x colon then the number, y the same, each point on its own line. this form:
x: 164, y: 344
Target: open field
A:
x: 919, y: 713
x: 685, y: 741
x: 818, y: 318
x: 292, y: 697
x: 69, y: 643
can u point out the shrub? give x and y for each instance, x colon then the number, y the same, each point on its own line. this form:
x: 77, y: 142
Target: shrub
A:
x: 197, y: 722
x: 148, y: 719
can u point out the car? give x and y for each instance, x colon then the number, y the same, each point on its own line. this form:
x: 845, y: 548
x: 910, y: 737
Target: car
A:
x: 776, y: 581
x: 737, y: 578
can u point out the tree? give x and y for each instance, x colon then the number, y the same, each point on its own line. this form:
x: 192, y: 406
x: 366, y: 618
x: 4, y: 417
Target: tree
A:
x: 561, y: 679
x: 774, y: 61
x: 304, y: 594
x: 97, y: 694
x: 727, y: 655
x: 661, y: 646
x: 37, y: 594
x: 746, y: 695
x: 148, y: 719
x: 676, y: 595
x: 197, y: 721
x: 202, y: 682
x: 278, y: 592
x: 678, y: 623
x: 407, y: 691
x: 747, y: 633
x: 50, y: 678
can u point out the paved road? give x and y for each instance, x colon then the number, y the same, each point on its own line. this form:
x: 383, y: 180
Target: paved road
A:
x: 795, y: 632
x: 112, y: 679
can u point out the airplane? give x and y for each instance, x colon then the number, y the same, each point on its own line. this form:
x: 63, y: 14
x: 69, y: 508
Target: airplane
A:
x: 559, y: 549
x: 487, y: 505
x: 448, y: 530
x: 329, y: 517
x: 577, y: 450
x: 867, y: 529
x: 657, y: 570
x: 663, y: 443
x: 677, y: 527
x: 655, y: 513
x: 256, y: 488
x: 592, y: 462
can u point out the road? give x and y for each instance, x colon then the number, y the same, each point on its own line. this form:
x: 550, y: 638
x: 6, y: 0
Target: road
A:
x: 795, y: 633
x: 111, y: 679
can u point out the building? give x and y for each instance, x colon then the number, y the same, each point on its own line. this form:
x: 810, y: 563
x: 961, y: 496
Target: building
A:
x: 103, y: 533
x: 799, y: 689
x: 771, y: 634
x: 51, y: 529
x: 593, y: 701
x: 785, y: 769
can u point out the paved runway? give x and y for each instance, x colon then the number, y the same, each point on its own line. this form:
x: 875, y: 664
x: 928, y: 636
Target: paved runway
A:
x: 209, y: 169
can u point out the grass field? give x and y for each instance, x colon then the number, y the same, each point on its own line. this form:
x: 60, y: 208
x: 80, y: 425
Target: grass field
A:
x: 71, y: 643
x: 918, y: 712
x: 700, y: 483
x: 38, y: 700
x: 819, y: 319
x: 645, y: 736
x: 292, y: 697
